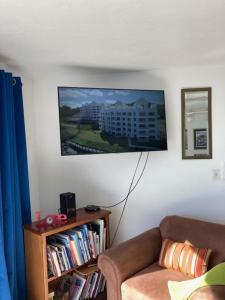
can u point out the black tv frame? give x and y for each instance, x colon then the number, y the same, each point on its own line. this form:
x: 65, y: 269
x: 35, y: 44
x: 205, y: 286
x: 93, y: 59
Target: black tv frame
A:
x: 114, y: 89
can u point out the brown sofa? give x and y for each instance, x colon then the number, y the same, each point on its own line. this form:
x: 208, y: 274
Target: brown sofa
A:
x: 132, y: 271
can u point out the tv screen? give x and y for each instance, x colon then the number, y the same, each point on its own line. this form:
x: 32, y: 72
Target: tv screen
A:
x: 103, y: 120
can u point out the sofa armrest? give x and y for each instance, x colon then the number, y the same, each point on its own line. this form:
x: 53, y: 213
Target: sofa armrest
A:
x: 121, y: 262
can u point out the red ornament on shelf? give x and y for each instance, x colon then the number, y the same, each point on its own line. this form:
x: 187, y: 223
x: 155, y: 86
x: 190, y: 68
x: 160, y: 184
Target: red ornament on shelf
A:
x: 50, y: 220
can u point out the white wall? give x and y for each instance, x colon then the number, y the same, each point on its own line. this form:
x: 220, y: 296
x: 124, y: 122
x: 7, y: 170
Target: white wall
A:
x: 30, y: 128
x: 31, y: 136
x: 170, y: 185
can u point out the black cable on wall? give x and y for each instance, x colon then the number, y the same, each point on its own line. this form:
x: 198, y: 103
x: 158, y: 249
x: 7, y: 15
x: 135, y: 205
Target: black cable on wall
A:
x: 132, y: 187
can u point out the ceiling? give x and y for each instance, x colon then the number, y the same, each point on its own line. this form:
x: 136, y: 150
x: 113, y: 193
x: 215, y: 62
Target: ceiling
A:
x: 120, y: 34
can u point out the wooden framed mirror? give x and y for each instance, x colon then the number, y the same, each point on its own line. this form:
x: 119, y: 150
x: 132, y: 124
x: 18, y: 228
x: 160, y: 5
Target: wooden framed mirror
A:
x: 196, y: 123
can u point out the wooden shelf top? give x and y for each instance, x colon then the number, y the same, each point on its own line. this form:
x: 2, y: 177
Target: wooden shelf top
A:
x: 52, y: 278
x: 88, y: 264
x: 82, y: 217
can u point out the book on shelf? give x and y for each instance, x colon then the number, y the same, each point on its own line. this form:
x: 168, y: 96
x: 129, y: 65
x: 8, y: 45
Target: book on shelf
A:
x: 98, y: 226
x: 75, y: 247
x: 77, y: 285
x: 53, y: 261
x: 95, y: 282
x: 85, y: 283
x: 63, y: 240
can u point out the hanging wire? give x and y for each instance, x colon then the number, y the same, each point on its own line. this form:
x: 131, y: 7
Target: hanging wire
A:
x: 128, y: 194
x: 133, y: 188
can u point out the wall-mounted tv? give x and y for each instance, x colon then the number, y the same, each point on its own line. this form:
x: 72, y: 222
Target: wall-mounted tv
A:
x: 104, y: 120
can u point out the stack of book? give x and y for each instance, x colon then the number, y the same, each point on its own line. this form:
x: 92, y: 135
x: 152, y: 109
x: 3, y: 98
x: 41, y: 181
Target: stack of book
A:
x: 75, y: 247
x: 85, y: 283
x: 94, y: 281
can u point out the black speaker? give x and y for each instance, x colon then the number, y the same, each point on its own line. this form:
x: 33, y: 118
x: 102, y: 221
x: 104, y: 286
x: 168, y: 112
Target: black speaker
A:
x: 68, y: 204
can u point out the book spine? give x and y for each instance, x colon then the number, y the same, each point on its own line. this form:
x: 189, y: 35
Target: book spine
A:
x: 96, y: 290
x: 78, y: 252
x: 82, y: 297
x: 82, y: 250
x: 69, y: 255
x: 95, y: 293
x: 61, y: 261
x: 104, y: 239
x: 56, y: 263
x: 97, y: 243
x: 86, y: 248
x: 51, y: 262
x: 79, y: 283
x: 72, y: 249
x: 93, y: 284
x: 66, y: 258
x: 87, y: 239
x: 92, y: 244
x: 90, y: 286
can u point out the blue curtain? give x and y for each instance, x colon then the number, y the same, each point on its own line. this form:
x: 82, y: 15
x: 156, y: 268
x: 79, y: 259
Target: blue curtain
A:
x: 14, y: 189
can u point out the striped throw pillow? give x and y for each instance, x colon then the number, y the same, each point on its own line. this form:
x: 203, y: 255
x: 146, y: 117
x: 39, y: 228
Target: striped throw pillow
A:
x: 184, y: 258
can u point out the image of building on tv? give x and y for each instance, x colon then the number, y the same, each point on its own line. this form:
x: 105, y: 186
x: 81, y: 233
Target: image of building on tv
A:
x: 110, y: 121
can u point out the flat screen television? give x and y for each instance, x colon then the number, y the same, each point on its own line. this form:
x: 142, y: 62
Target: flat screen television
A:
x: 104, y: 120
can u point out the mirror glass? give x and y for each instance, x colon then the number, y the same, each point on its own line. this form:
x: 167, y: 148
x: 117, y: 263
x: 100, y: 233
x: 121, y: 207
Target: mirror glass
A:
x: 196, y: 123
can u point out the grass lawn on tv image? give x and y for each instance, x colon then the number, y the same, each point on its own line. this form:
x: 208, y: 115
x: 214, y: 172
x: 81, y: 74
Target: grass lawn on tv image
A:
x: 87, y: 135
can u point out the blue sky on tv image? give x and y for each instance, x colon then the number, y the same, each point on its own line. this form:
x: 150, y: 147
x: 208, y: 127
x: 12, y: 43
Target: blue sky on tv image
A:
x: 76, y: 97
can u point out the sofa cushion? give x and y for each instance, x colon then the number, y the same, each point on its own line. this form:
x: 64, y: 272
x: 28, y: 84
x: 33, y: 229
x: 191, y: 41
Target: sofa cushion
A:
x: 150, y: 284
x: 184, y: 258
x: 200, y: 234
x: 212, y: 279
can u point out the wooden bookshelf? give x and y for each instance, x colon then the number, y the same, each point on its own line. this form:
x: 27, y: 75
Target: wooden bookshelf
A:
x: 38, y: 282
x: 52, y: 278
